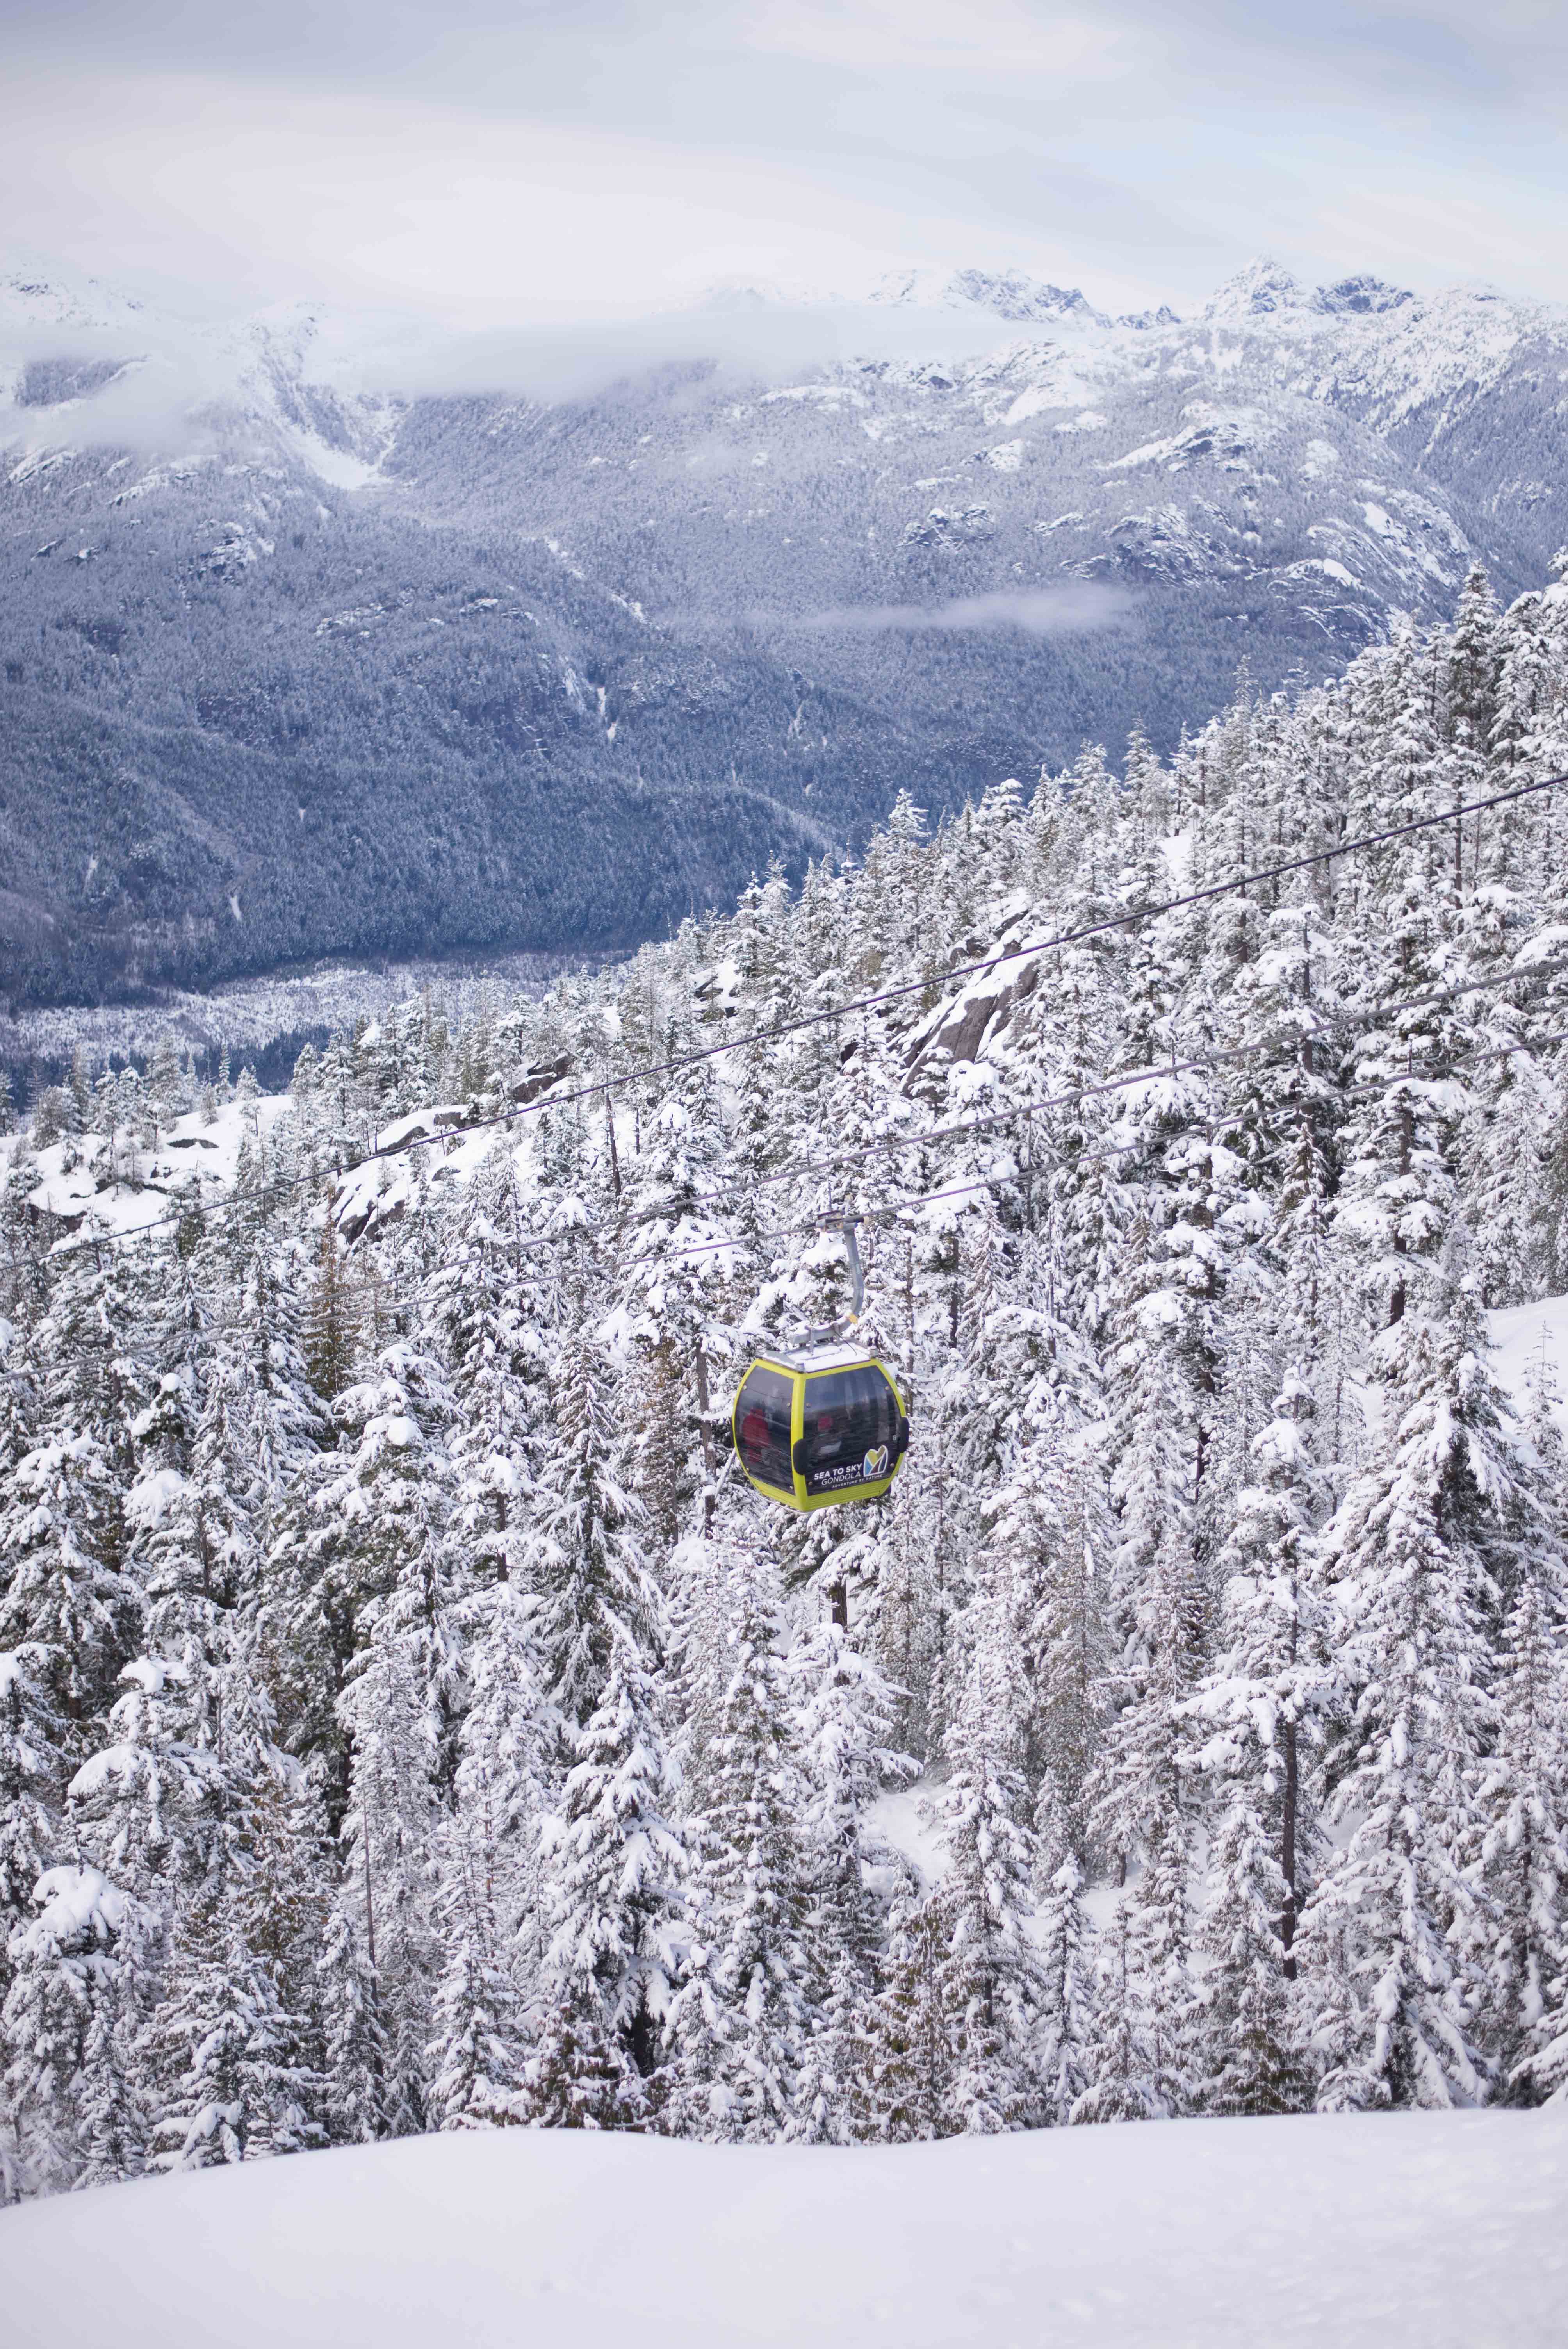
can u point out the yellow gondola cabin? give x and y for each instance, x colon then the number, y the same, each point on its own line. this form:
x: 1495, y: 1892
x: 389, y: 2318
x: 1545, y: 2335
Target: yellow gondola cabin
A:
x: 820, y: 1426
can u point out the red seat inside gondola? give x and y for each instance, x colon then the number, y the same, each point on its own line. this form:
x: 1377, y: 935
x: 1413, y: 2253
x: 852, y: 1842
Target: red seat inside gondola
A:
x: 762, y: 1420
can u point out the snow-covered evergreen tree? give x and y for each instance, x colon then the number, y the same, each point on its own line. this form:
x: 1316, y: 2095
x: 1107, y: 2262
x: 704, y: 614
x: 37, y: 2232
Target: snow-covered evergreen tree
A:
x: 1518, y: 1956
x: 989, y: 1980
x: 477, y: 2053
x: 410, y: 1718
x: 70, y: 2100
x: 745, y: 2007
x: 1265, y: 1697
x: 611, y: 1885
x: 584, y: 1558
x: 1414, y: 1554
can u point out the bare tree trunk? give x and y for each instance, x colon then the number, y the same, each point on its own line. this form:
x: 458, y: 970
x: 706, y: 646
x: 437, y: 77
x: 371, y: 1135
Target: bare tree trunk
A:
x: 709, y: 1461
x: 1287, y: 1852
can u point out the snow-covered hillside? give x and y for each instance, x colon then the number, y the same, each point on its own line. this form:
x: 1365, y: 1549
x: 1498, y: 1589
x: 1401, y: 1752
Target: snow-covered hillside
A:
x: 411, y: 1720
x: 370, y: 642
x: 1349, y: 409
x: 1530, y: 1344
x: 1411, y: 2231
x: 123, y: 1183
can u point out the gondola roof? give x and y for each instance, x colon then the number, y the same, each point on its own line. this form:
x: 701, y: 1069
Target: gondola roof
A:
x: 805, y: 1359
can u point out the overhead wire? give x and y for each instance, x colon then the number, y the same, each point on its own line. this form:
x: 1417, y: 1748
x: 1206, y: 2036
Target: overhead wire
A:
x: 1220, y: 1056
x: 186, y: 1210
x: 1128, y: 919
x: 616, y: 1225
x: 1155, y: 1072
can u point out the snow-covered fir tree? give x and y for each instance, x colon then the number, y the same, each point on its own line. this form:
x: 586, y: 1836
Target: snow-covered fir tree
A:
x: 411, y: 1719
x: 611, y: 1885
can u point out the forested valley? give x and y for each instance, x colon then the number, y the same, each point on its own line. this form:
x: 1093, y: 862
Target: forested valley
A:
x: 334, y: 666
x: 411, y: 1720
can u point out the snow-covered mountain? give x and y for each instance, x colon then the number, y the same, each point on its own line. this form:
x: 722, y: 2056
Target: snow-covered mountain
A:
x: 328, y: 634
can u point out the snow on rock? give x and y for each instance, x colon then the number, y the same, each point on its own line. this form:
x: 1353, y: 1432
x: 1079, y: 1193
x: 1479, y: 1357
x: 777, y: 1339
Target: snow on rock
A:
x: 1411, y: 2230
x: 83, y: 1182
x: 1224, y: 433
x: 957, y: 1026
x: 1259, y: 290
x: 80, y: 1189
x: 379, y: 1190
x: 1009, y: 294
x: 421, y: 1126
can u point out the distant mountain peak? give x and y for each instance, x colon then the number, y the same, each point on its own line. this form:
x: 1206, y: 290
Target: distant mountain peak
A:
x: 579, y: 584
x: 1264, y: 289
x: 1259, y: 290
x: 38, y: 294
x: 1008, y: 293
x: 744, y: 293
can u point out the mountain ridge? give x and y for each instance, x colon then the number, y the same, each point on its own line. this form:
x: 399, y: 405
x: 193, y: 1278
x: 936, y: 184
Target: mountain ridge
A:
x: 539, y: 641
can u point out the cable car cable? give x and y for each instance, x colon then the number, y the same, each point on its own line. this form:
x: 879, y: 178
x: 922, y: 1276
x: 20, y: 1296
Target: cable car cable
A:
x: 1124, y: 921
x: 1220, y: 1058
x: 1223, y: 1055
x: 1426, y: 1073
x: 888, y: 1143
x: 200, y: 1209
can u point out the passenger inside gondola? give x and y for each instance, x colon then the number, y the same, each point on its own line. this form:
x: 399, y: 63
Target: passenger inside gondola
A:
x: 849, y: 1413
x: 764, y: 1424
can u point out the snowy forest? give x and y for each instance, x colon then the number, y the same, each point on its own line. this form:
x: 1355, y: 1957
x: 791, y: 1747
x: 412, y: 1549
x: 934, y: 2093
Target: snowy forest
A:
x: 411, y: 1720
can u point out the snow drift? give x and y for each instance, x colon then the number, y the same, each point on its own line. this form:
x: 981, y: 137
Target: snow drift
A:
x: 1412, y: 2229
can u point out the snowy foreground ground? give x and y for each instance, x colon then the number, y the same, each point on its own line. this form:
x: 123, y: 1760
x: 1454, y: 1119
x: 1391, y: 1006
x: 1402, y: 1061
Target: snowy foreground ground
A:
x: 1413, y: 2230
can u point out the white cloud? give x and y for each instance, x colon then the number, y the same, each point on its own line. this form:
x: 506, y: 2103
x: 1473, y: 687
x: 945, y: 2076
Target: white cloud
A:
x: 175, y: 377
x: 1040, y: 612
x: 574, y: 358
x: 594, y: 154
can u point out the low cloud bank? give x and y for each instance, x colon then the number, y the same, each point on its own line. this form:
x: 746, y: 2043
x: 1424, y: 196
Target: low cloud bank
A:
x: 749, y: 338
x: 1037, y: 612
x: 175, y: 378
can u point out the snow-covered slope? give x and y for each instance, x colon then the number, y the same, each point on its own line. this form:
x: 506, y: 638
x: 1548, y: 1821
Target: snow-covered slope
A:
x: 127, y: 1185
x: 1530, y: 1344
x: 1411, y: 2231
x: 388, y: 644
x: 83, y: 363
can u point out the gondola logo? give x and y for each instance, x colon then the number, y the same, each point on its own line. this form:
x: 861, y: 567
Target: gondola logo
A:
x: 875, y: 1463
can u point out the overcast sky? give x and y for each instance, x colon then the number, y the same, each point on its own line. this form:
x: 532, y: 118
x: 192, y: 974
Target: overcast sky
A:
x: 484, y: 160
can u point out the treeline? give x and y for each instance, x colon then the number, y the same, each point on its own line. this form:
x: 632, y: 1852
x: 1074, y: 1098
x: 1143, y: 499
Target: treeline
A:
x: 408, y: 1720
